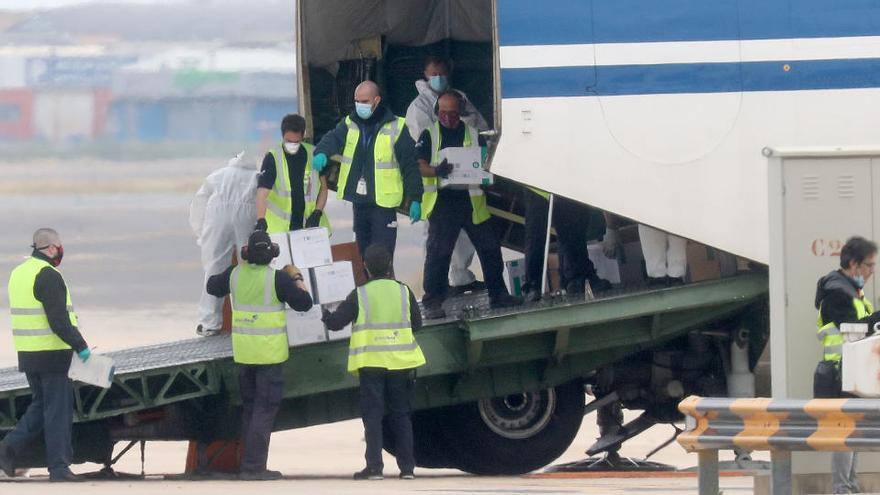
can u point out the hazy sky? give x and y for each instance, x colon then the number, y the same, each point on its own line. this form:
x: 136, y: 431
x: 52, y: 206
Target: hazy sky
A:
x: 42, y: 4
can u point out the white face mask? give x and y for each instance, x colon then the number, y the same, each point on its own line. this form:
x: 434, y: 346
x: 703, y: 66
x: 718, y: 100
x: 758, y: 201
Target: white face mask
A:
x: 291, y: 148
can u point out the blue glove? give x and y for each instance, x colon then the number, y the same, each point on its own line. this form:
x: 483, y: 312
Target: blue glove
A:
x: 85, y: 354
x: 319, y: 162
x: 415, y: 211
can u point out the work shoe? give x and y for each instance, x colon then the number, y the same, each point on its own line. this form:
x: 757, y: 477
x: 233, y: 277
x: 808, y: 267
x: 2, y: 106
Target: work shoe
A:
x: 207, y: 332
x: 599, y: 284
x: 369, y: 474
x: 265, y: 475
x: 475, y: 286
x: 7, y: 463
x: 674, y: 281
x: 64, y: 476
x: 658, y: 282
x: 505, y: 301
x: 433, y: 312
x: 407, y: 476
x: 532, y: 295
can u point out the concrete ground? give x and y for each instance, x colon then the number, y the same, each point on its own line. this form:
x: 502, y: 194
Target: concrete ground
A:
x: 134, y: 269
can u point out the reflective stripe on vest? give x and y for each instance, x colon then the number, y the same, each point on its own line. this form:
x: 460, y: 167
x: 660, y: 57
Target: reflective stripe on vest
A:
x: 279, y: 203
x: 830, y: 336
x: 382, y: 335
x: 31, y: 331
x: 259, y: 323
x: 387, y: 179
x: 479, y: 208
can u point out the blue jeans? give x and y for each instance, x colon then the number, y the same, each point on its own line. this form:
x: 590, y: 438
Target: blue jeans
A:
x: 50, y: 413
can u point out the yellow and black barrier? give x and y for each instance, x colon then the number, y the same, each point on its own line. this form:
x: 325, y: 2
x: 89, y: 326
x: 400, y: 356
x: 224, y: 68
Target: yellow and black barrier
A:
x: 780, y: 426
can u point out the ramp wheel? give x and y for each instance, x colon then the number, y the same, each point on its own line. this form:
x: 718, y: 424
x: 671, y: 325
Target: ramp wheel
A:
x: 517, y: 433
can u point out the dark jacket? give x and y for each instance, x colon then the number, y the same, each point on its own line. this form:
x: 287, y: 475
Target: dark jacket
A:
x: 348, y: 309
x: 51, y: 291
x: 285, y: 288
x: 362, y: 163
x: 834, y: 300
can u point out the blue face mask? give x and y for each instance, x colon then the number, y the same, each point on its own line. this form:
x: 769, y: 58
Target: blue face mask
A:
x: 364, y: 110
x: 859, y: 281
x: 439, y: 83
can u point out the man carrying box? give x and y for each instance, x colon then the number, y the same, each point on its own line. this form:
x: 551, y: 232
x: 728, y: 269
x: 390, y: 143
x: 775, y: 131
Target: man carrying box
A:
x: 290, y: 192
x: 382, y: 353
x: 452, y: 209
x: 259, y: 342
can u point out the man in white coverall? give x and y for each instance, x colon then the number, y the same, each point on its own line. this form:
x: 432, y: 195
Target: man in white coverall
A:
x: 665, y: 256
x: 222, y: 217
x: 421, y: 115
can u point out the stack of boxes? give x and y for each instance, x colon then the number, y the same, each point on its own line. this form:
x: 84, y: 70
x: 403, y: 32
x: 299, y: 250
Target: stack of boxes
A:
x: 329, y: 283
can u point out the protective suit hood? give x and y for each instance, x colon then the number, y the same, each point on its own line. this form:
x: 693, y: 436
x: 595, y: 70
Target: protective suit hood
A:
x: 242, y: 160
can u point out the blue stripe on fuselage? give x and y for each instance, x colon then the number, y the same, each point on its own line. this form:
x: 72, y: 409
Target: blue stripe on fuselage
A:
x: 690, y: 78
x: 522, y: 22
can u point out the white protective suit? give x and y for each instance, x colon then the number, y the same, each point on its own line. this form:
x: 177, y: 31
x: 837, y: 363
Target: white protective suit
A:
x: 222, y: 216
x: 665, y: 254
x: 420, y: 116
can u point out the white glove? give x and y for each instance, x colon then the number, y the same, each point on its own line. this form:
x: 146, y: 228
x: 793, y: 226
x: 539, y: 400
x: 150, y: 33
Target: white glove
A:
x: 610, y: 243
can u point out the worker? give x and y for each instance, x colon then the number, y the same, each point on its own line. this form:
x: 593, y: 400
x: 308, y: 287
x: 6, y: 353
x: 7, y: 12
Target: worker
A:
x: 294, y: 198
x: 665, y: 256
x: 420, y: 116
x: 45, y: 334
x: 222, y: 215
x: 378, y: 171
x: 454, y: 209
x: 259, y: 342
x: 383, y: 353
x: 571, y: 221
x: 840, y: 298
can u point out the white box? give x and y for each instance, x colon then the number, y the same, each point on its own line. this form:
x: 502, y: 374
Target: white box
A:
x: 514, y: 276
x: 310, y: 247
x: 606, y: 268
x: 332, y: 283
x: 98, y: 370
x: 467, y: 167
x: 283, y: 258
x: 861, y: 367
x: 306, y: 327
x: 339, y: 334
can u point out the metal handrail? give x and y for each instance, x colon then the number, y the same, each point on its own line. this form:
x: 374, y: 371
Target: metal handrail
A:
x: 780, y: 426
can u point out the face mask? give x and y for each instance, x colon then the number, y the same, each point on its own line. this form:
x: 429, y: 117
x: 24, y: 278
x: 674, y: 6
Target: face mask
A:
x: 364, y: 110
x: 859, y: 281
x: 449, y: 119
x: 291, y: 148
x: 438, y: 83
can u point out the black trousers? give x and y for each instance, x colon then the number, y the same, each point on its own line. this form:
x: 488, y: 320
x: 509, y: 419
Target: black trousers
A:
x: 571, y: 221
x: 262, y: 387
x: 451, y: 214
x: 381, y: 387
x: 50, y: 413
x: 374, y: 225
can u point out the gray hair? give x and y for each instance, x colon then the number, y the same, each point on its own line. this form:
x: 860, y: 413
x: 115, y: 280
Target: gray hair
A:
x: 45, y: 237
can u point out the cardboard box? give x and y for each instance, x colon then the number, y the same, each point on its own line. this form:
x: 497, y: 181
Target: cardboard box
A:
x: 310, y: 247
x: 339, y: 334
x: 702, y: 263
x: 306, y: 327
x: 284, y: 258
x: 514, y: 276
x: 332, y: 283
x: 861, y: 367
x: 349, y: 252
x: 467, y: 168
x: 607, y: 268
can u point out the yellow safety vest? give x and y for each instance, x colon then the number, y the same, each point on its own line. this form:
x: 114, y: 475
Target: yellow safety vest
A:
x: 30, y: 325
x: 259, y: 325
x: 382, y: 335
x: 830, y: 336
x: 540, y: 192
x: 279, y: 203
x: 387, y: 179
x: 479, y: 208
